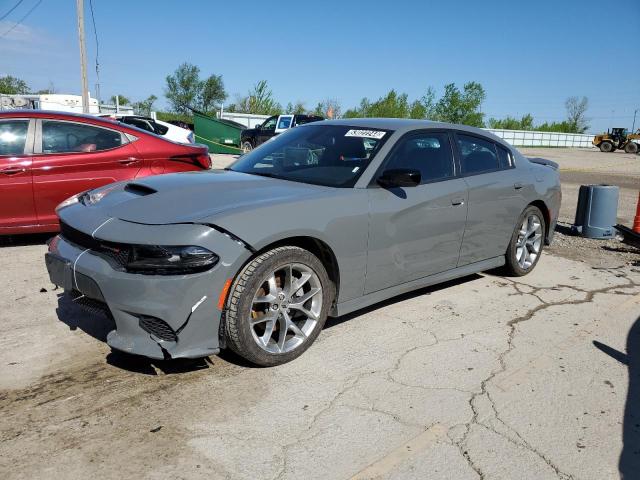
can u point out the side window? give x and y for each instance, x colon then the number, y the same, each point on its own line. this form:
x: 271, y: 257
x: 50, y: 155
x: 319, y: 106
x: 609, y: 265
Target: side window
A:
x: 270, y: 123
x: 477, y: 155
x: 284, y: 123
x: 13, y: 136
x: 504, y: 157
x: 430, y: 153
x: 63, y: 137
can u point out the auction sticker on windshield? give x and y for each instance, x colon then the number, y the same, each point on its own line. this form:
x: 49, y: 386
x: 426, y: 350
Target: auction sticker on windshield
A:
x: 377, y: 134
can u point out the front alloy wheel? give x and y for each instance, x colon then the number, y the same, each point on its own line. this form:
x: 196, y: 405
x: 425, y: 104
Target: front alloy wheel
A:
x: 277, y: 306
x: 286, y: 308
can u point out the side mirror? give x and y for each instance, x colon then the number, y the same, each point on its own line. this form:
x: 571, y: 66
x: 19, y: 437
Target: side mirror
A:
x: 400, y: 177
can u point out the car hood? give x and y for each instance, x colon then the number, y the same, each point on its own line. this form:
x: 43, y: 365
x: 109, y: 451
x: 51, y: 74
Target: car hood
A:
x: 199, y: 196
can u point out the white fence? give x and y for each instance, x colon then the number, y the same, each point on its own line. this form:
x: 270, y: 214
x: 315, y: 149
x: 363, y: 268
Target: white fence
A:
x: 525, y: 138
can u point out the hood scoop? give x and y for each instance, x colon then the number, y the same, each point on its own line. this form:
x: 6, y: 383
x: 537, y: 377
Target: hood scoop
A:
x: 139, y: 189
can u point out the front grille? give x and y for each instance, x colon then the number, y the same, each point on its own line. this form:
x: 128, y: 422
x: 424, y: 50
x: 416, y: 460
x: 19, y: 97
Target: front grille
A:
x: 118, y: 254
x: 158, y: 328
x: 81, y: 239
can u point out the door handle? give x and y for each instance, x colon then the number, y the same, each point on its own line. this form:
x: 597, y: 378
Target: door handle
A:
x: 129, y: 161
x: 518, y: 185
x: 12, y: 170
x: 457, y: 201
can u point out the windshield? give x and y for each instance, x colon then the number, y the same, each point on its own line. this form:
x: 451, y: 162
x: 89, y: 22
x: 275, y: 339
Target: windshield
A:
x: 329, y: 155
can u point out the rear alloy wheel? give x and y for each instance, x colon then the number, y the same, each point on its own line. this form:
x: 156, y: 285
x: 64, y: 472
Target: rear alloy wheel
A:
x: 631, y: 147
x: 277, y: 306
x: 246, y: 146
x: 606, y: 147
x: 526, y: 243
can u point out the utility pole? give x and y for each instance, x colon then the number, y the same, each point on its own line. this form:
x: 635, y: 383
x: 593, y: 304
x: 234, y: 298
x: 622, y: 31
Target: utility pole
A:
x: 633, y: 129
x: 83, y: 56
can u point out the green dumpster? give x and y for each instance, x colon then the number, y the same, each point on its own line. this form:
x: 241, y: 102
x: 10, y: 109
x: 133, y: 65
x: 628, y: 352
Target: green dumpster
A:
x: 221, y: 136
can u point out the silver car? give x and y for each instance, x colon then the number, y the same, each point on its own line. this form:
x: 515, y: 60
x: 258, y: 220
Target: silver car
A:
x: 323, y: 220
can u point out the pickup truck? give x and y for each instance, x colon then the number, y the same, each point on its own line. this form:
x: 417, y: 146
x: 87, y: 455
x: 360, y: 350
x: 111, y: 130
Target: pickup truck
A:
x: 272, y: 126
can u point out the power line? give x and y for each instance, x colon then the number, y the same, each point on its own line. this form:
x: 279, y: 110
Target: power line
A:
x: 11, y: 10
x: 21, y: 20
x: 95, y: 33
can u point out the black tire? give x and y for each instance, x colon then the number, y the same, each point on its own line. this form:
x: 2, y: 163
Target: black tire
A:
x: 512, y: 267
x: 606, y: 147
x: 246, y: 146
x: 237, y: 328
x: 631, y: 147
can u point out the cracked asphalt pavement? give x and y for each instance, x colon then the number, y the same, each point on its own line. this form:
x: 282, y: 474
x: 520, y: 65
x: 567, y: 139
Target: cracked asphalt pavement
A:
x: 484, y: 377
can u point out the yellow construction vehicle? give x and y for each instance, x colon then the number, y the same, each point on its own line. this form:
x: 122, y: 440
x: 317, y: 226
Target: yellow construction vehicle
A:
x: 618, y: 139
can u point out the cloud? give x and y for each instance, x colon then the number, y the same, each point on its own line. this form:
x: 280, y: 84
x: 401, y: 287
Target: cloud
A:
x: 24, y: 39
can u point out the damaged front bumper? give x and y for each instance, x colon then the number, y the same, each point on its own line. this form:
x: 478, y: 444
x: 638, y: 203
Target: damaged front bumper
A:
x: 158, y: 316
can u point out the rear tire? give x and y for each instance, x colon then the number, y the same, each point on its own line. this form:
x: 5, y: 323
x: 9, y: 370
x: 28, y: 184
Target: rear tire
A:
x: 526, y: 244
x: 606, y: 147
x: 631, y: 147
x: 286, y: 289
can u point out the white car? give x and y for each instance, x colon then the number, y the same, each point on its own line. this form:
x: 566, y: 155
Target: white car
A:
x: 164, y: 129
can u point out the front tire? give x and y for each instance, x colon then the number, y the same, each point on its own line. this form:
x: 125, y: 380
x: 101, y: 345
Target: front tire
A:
x: 631, y: 147
x: 277, y: 306
x: 526, y: 244
x: 606, y: 147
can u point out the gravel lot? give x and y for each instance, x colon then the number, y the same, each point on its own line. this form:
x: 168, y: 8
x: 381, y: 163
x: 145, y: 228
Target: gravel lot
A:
x: 484, y: 377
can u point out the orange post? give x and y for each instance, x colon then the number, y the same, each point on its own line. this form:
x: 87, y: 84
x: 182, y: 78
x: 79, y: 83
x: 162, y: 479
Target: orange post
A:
x: 636, y: 220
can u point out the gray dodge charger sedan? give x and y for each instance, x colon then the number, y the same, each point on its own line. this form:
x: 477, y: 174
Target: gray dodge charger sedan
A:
x: 323, y: 220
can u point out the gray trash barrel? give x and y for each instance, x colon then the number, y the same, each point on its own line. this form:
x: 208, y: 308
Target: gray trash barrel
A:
x: 597, y: 211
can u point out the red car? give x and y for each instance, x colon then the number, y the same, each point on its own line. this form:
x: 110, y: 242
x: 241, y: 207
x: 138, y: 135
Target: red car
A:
x: 45, y: 157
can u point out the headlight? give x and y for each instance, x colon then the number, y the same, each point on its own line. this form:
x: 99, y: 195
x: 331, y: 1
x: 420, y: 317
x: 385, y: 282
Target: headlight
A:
x: 167, y: 260
x: 69, y: 201
x: 191, y: 138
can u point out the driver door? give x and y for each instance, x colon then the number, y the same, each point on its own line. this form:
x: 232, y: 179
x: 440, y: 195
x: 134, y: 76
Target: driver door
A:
x: 416, y: 231
x: 267, y: 130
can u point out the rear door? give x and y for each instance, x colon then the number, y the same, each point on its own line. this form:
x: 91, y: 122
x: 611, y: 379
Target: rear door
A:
x: 71, y: 157
x: 495, y: 198
x: 416, y: 231
x: 17, y: 207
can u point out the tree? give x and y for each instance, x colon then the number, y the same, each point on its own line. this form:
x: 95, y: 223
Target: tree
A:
x: 122, y: 100
x: 144, y: 107
x: 10, y: 85
x: 511, y: 123
x: 183, y: 88
x: 212, y: 93
x: 259, y: 101
x: 461, y: 107
x: 329, y: 107
x: 296, y: 108
x: 576, y: 109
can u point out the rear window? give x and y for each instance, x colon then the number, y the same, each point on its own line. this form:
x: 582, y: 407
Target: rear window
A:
x: 504, y: 157
x: 477, y: 155
x: 63, y: 137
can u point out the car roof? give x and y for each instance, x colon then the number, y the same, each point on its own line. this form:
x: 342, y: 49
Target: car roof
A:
x: 403, y: 125
x: 55, y: 114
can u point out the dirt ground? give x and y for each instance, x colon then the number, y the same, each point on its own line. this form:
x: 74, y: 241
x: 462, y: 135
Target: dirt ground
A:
x: 484, y: 377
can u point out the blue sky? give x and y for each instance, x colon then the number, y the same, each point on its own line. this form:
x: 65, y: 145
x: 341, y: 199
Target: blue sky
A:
x: 529, y: 56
